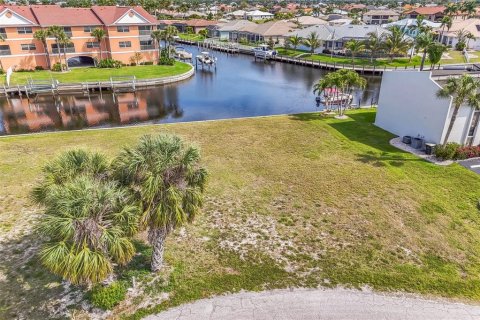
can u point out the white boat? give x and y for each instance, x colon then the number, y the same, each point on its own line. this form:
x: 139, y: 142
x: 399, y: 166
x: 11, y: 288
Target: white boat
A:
x: 181, y: 53
x: 264, y: 52
x: 334, y: 96
x: 206, y: 59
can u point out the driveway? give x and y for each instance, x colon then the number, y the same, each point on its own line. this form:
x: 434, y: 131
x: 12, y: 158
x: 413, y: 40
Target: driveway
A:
x: 331, y: 304
x: 471, y: 164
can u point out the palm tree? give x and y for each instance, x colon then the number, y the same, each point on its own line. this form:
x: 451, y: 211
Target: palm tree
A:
x: 373, y: 44
x: 469, y: 36
x: 169, y: 183
x: 469, y: 8
x: 312, y: 41
x: 462, y: 91
x: 355, y: 46
x: 446, y: 23
x: 58, y: 33
x: 423, y: 42
x: 99, y: 34
x: 396, y: 43
x: 169, y: 32
x: 42, y: 36
x: 157, y: 36
x: 451, y: 9
x: 295, y: 41
x: 87, y: 218
x: 64, y: 40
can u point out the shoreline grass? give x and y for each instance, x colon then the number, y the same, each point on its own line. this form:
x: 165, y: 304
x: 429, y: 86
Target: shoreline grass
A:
x: 76, y: 75
x: 296, y: 200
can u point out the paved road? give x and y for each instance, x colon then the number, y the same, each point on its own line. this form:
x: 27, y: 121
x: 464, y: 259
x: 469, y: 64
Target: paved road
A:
x: 472, y: 164
x: 331, y: 304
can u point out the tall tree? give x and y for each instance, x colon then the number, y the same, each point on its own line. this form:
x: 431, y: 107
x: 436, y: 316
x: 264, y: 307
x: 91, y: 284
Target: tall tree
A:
x: 42, y: 36
x: 312, y: 41
x: 423, y: 42
x: 396, y: 43
x: 374, y: 44
x: 157, y: 36
x: 355, y: 47
x: 295, y: 41
x: 169, y: 182
x: 99, y: 35
x: 435, y: 52
x: 462, y: 91
x: 58, y: 33
x: 445, y: 23
x: 87, y: 219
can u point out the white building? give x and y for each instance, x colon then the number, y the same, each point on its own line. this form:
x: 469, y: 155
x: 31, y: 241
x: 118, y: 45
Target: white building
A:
x: 408, y: 106
x: 409, y: 26
x: 450, y: 37
x: 258, y: 15
x: 380, y: 16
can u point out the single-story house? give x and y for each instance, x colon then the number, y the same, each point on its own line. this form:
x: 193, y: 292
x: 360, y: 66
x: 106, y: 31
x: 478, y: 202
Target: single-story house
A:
x: 182, y: 25
x: 237, y: 14
x: 408, y: 26
x: 379, y: 17
x: 258, y: 15
x: 227, y: 30
x: 275, y: 30
x: 408, y: 106
x: 335, y: 37
x: 450, y: 37
x: 308, y: 21
x: 432, y: 13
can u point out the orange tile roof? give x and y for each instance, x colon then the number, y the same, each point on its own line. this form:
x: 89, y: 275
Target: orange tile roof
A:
x: 49, y: 15
x: 427, y: 10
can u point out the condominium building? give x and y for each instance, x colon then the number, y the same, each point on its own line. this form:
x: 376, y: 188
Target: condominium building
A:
x: 127, y: 32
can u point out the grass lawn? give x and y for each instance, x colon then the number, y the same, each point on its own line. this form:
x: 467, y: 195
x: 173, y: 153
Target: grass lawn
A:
x: 292, y: 201
x: 97, y: 74
x: 191, y: 36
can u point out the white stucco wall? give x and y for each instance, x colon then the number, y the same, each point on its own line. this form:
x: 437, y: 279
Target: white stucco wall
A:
x: 408, y: 105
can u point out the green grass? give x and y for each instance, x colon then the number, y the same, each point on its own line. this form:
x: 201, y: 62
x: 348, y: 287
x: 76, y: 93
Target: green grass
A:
x: 191, y: 36
x: 76, y: 75
x: 320, y: 202
x: 457, y: 57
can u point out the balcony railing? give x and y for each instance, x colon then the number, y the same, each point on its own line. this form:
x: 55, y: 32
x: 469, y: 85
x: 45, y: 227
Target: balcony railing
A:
x: 5, y: 52
x: 144, y: 32
x: 3, y: 35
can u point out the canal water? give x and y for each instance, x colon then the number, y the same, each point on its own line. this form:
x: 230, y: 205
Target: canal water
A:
x: 239, y: 87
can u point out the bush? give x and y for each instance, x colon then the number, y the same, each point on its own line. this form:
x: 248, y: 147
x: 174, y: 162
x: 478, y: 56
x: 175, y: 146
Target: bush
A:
x: 57, y: 67
x: 467, y: 152
x: 107, y: 297
x: 460, y: 46
x: 448, y: 152
x: 164, y: 59
x: 2, y: 71
x: 39, y: 68
x: 23, y: 70
x: 148, y: 63
x: 109, y: 63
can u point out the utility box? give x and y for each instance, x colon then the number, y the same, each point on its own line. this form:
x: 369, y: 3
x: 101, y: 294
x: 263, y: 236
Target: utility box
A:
x: 429, y: 148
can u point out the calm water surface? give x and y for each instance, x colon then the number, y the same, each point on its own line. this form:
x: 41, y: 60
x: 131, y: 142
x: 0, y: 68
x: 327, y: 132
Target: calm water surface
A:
x: 240, y: 87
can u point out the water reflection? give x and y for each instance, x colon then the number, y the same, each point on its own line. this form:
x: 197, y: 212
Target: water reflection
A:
x: 239, y: 87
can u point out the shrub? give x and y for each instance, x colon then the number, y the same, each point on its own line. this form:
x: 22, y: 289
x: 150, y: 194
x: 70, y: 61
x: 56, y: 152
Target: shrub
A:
x: 446, y: 153
x: 467, y: 152
x: 39, y: 68
x: 23, y: 70
x: 2, y: 71
x: 165, y: 59
x: 57, y: 67
x: 148, y: 63
x: 109, y: 63
x: 107, y: 297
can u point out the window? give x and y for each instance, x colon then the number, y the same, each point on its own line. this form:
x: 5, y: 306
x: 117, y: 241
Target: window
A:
x: 68, y: 31
x: 146, y: 45
x: 28, y: 46
x: 123, y: 29
x: 69, y: 48
x: 3, y: 33
x: 5, y: 50
x: 24, y: 30
x: 88, y: 29
x: 125, y: 44
x: 91, y: 45
x: 144, y: 30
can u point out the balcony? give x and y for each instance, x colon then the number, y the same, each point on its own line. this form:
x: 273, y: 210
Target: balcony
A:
x: 147, y: 47
x: 144, y: 32
x: 5, y: 52
x: 61, y: 50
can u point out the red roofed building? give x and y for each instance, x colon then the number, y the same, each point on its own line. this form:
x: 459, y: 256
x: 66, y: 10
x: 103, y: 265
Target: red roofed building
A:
x: 127, y: 32
x: 429, y: 13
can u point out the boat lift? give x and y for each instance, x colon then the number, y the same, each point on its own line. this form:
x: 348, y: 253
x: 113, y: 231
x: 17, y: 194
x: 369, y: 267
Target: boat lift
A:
x: 206, y: 60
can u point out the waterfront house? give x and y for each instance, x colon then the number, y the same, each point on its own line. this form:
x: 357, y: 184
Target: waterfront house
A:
x: 409, y: 26
x: 182, y: 25
x: 333, y: 38
x: 275, y: 30
x: 432, y: 13
x: 127, y: 32
x: 230, y: 30
x: 408, y: 106
x: 379, y: 17
x: 237, y: 14
x: 450, y: 37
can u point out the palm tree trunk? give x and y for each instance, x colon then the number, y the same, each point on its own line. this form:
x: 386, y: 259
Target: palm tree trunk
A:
x: 450, y: 125
x: 156, y: 237
x: 47, y: 55
x: 423, y: 58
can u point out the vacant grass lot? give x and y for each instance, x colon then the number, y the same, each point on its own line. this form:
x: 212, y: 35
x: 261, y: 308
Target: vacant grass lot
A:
x: 76, y: 75
x: 292, y: 201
